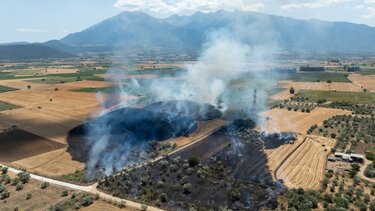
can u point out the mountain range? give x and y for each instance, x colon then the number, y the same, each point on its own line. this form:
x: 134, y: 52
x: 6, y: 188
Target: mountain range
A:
x: 137, y: 30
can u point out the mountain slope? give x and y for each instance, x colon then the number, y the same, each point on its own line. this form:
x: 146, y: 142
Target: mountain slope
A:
x: 30, y: 51
x: 136, y: 30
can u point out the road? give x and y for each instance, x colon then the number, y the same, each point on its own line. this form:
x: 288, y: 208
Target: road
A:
x: 89, y: 189
x: 361, y: 172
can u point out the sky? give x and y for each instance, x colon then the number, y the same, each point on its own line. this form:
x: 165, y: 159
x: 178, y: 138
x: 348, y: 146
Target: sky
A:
x: 43, y: 20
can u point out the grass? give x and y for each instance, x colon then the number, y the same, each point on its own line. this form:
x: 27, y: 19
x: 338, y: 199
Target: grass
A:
x: 351, y: 97
x: 312, y: 77
x: 95, y: 90
x: 7, y: 106
x: 6, y: 89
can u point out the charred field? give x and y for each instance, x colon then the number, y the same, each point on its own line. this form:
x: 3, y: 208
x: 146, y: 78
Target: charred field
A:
x: 228, y: 169
x: 139, y: 128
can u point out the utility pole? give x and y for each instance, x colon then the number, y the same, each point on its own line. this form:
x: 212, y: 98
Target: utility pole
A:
x: 254, y: 105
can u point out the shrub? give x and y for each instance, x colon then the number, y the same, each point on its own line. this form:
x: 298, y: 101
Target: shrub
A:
x: 24, y: 177
x: 234, y: 194
x: 163, y: 197
x: 28, y: 196
x: 64, y: 193
x: 44, y: 185
x: 86, y: 201
x: 187, y: 188
x: 19, y: 186
x: 193, y: 161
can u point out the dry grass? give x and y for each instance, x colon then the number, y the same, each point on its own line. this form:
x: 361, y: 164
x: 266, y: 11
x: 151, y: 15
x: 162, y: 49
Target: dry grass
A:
x: 283, y: 120
x: 305, y: 168
x: 365, y: 81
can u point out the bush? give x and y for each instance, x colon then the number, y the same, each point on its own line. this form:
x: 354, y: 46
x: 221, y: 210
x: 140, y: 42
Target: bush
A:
x: 19, y: 186
x: 44, y: 185
x: 163, y: 197
x: 64, y: 193
x: 86, y: 201
x: 28, y: 196
x: 24, y: 177
x: 234, y: 194
x: 370, y: 171
x: 193, y: 161
x: 291, y: 91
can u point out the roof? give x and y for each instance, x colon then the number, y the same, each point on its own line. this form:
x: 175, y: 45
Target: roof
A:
x: 357, y: 156
x: 340, y: 153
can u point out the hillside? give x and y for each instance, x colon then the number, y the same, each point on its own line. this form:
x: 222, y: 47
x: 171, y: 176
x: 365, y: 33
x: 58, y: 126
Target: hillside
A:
x: 134, y: 30
x: 30, y: 51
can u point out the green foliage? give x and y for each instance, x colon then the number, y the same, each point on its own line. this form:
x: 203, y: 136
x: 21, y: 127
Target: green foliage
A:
x: 86, y: 200
x: 234, y: 194
x: 193, y: 161
x: 351, y: 97
x: 24, y: 177
x: 28, y: 196
x: 370, y: 171
x: 64, y: 193
x: 44, y: 185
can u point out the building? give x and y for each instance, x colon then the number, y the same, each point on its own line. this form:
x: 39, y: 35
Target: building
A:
x: 350, y: 157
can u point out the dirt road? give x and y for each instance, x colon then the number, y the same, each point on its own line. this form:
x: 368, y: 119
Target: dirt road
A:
x: 90, y: 189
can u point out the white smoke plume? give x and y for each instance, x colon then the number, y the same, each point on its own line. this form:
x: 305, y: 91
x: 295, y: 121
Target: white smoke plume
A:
x: 224, y: 58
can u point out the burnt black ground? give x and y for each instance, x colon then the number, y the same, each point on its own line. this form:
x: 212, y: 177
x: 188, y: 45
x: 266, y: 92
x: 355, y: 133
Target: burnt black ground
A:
x: 232, y: 172
x: 127, y: 127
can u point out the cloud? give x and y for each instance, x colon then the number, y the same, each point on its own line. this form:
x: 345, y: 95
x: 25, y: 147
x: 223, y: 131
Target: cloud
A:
x: 370, y: 13
x: 314, y: 4
x: 369, y: 1
x: 31, y: 30
x: 185, y: 7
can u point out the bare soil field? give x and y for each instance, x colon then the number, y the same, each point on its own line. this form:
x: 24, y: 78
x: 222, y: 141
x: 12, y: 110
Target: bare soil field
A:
x: 305, y: 168
x: 19, y: 144
x: 290, y: 121
x: 365, y: 81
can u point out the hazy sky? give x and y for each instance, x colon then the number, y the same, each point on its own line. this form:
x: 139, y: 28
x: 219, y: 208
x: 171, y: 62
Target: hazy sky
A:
x: 42, y: 20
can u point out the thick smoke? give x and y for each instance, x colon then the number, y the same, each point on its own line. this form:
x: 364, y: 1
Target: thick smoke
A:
x: 225, y: 58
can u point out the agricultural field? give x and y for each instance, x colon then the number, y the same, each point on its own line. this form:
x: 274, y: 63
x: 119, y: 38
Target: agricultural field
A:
x: 364, y: 81
x: 305, y: 168
x: 18, y: 144
x: 351, y: 97
x: 277, y: 120
x: 7, y: 89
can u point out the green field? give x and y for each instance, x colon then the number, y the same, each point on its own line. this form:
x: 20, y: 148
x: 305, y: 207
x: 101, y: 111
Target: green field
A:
x: 312, y: 77
x: 351, y: 97
x: 6, y: 106
x: 7, y: 89
x: 95, y: 90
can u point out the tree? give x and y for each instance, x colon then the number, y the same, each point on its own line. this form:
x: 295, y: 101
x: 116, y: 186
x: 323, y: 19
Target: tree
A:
x: 163, y: 197
x: 86, y: 201
x: 291, y: 90
x: 24, y: 177
x: 44, y: 185
x: 193, y: 161
x: 28, y: 196
x: 64, y: 193
x: 121, y: 204
x: 19, y: 186
x: 187, y: 188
